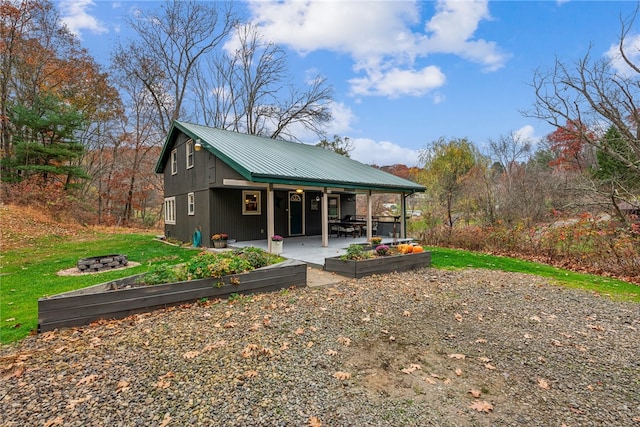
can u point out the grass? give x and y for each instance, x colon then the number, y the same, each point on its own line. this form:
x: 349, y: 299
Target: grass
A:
x: 616, y: 289
x: 30, y: 273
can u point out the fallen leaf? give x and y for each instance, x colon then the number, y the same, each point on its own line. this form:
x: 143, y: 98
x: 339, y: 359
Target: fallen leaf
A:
x: 249, y: 350
x: 310, y: 344
x: 331, y: 352
x: 230, y: 325
x: 367, y: 318
x: 475, y: 393
x: 481, y: 341
x: 342, y: 375
x: 489, y: 366
x: 123, y: 385
x: 542, y: 383
x: 406, y: 313
x: 251, y: 374
x: 74, y: 402
x: 481, y: 406
x: 314, y: 422
x: 458, y: 317
x: 87, y: 380
x: 484, y: 359
x: 447, y: 381
x: 535, y: 319
x: 596, y: 327
x: 412, y: 368
x: 344, y: 341
x: 54, y: 422
x: 10, y: 319
x: 299, y: 331
x: 430, y: 380
x: 284, y: 346
x: 457, y: 356
x: 48, y: 336
x: 162, y: 383
x: 166, y: 420
x: 191, y: 354
x: 458, y: 372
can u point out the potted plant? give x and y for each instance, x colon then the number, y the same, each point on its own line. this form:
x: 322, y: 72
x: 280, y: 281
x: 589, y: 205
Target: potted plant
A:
x: 220, y: 240
x: 276, y: 244
x: 375, y: 241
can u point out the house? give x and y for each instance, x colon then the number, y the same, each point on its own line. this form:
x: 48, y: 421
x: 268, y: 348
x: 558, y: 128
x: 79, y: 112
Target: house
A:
x: 251, y: 188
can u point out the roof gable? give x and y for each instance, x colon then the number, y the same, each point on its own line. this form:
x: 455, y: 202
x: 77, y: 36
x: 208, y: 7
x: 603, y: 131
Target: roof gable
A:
x: 260, y: 159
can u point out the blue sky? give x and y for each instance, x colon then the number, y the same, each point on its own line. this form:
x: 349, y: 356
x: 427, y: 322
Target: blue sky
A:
x: 407, y: 73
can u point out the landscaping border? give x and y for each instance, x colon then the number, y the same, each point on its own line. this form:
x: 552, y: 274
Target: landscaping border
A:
x: 377, y: 265
x: 105, y: 301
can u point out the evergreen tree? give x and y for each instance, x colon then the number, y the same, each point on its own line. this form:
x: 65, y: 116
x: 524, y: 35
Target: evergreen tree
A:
x: 45, y: 143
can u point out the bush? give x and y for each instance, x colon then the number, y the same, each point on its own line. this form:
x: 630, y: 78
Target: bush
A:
x: 356, y: 252
x: 209, y: 264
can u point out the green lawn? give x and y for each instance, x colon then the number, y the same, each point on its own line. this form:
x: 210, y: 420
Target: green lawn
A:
x: 29, y: 274
x: 616, y: 289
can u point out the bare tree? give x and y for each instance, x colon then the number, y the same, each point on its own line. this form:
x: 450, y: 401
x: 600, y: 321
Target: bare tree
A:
x: 248, y: 90
x: 593, y: 93
x: 171, y: 41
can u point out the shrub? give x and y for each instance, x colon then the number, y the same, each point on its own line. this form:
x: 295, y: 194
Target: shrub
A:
x: 356, y: 252
x: 158, y: 274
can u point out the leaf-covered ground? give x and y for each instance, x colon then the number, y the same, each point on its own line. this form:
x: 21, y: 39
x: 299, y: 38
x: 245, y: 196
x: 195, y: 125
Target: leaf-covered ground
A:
x: 432, y: 347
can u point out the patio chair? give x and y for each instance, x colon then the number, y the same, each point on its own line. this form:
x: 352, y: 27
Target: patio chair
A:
x: 344, y: 229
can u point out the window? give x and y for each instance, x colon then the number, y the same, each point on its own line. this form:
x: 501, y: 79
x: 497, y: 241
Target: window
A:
x: 334, y: 207
x: 174, y: 162
x: 251, y: 203
x: 170, y: 210
x: 191, y: 204
x: 189, y: 146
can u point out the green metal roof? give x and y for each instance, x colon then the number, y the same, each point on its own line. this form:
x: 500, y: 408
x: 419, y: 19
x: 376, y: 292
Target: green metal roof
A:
x: 267, y: 160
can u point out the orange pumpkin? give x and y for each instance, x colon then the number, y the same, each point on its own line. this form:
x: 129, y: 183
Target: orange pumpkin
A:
x: 403, y: 248
x: 417, y: 249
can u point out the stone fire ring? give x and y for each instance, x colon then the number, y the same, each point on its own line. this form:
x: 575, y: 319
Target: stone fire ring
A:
x: 102, y: 263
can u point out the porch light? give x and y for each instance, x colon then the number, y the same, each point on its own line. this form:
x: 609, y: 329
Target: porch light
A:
x: 299, y: 190
x: 198, y: 145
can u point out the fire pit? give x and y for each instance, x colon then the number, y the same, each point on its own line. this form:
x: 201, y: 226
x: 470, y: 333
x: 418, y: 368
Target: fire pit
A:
x: 101, y: 263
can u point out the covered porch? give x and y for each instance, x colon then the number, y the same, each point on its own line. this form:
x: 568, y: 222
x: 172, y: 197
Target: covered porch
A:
x: 309, y: 249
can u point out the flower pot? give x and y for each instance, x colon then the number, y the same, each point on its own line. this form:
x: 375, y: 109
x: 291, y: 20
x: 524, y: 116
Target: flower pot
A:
x: 219, y: 244
x: 276, y: 247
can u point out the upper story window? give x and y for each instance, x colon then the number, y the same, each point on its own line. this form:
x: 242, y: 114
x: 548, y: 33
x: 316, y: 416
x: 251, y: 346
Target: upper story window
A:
x: 189, y: 146
x: 191, y: 204
x: 174, y: 162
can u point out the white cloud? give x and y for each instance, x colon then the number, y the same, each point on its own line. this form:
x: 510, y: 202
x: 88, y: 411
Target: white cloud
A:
x: 76, y: 17
x: 526, y: 132
x: 631, y: 50
x: 396, y: 82
x: 381, y: 39
x: 382, y: 153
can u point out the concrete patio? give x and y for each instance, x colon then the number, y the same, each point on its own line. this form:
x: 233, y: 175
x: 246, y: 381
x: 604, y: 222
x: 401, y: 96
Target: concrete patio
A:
x: 308, y: 248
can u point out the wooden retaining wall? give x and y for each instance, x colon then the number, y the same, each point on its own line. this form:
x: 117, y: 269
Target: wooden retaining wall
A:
x: 377, y: 265
x: 98, y: 302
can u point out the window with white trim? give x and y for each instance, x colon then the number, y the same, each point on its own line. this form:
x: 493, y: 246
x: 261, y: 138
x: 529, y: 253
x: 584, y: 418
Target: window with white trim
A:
x: 251, y: 203
x: 170, y: 210
x: 189, y: 146
x: 191, y: 204
x: 174, y: 162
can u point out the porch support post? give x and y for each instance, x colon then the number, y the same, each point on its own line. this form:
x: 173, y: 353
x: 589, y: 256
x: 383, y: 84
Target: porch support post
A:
x: 325, y: 218
x: 369, y: 221
x: 270, y: 216
x: 403, y: 218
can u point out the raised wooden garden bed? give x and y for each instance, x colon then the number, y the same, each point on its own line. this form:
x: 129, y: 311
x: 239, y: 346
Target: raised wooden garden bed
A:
x: 377, y: 265
x: 86, y: 305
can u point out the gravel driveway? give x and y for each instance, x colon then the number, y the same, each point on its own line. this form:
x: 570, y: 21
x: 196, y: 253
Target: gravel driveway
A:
x: 431, y: 347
